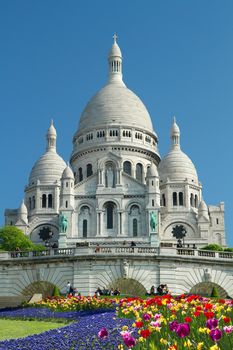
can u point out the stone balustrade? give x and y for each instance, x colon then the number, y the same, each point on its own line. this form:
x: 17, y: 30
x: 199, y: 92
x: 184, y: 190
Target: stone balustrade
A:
x: 118, y: 251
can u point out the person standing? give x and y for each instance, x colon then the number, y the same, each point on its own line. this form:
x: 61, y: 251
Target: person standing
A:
x: 68, y: 288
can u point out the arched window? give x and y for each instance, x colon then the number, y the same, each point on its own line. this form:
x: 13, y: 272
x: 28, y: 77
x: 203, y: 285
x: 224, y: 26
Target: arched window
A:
x: 191, y: 200
x: 127, y: 167
x: 153, y: 202
x: 135, y: 227
x: 66, y: 204
x: 30, y: 203
x: 139, y: 172
x: 80, y: 174
x: 33, y: 202
x: 84, y: 228
x: 196, y: 201
x: 44, y: 201
x: 50, y: 201
x: 110, y: 207
x: 181, y: 199
x: 163, y: 200
x: 89, y: 170
x: 174, y: 196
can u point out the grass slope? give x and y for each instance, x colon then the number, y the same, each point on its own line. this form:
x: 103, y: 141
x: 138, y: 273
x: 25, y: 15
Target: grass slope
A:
x: 19, y: 329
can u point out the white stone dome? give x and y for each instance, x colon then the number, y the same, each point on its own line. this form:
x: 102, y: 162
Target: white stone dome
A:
x: 176, y: 165
x: 48, y: 168
x: 68, y: 173
x: 152, y: 170
x: 115, y: 104
x: 50, y: 165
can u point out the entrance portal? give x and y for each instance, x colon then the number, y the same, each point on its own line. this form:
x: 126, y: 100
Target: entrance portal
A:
x: 206, y: 288
x: 128, y: 286
x: 41, y: 287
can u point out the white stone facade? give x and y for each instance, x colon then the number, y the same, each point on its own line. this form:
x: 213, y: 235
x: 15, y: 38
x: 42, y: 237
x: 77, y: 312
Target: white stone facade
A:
x: 116, y: 181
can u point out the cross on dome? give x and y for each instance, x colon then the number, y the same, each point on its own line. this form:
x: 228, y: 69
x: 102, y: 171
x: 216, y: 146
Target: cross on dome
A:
x: 115, y: 37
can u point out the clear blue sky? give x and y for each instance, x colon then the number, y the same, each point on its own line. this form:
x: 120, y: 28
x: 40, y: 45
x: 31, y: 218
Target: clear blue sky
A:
x: 178, y: 57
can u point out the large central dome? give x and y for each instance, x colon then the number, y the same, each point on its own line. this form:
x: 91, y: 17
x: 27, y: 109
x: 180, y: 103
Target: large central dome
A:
x: 115, y: 103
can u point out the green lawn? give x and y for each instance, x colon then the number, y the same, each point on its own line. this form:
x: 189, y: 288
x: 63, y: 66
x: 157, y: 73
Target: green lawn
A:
x: 18, y: 329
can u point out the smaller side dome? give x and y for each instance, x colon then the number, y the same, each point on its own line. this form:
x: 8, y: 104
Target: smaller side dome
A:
x: 176, y: 165
x: 49, y: 167
x: 152, y: 171
x: 68, y: 173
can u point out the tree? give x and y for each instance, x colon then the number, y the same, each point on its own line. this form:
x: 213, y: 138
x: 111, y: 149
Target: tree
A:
x: 12, y: 237
x: 213, y: 246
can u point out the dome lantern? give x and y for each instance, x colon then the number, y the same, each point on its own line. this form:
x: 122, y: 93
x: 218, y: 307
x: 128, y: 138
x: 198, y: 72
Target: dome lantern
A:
x: 51, y: 137
x: 175, y: 135
x: 115, y: 63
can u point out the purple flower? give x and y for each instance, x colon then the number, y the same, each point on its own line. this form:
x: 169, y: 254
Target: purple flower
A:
x: 212, y: 323
x: 103, y: 333
x: 146, y: 317
x: 182, y: 330
x: 215, y: 334
x: 129, y: 341
x: 173, y: 325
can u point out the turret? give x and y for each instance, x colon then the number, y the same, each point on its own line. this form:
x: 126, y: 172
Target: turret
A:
x: 67, y: 188
x: 203, y: 211
x: 23, y: 213
x: 152, y: 182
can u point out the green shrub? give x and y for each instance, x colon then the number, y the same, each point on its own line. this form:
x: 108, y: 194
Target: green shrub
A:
x: 228, y: 249
x: 215, y: 293
x: 213, y: 246
x: 56, y: 292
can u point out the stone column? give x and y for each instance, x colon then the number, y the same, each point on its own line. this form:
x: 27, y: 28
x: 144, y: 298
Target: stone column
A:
x: 119, y: 223
x: 186, y: 197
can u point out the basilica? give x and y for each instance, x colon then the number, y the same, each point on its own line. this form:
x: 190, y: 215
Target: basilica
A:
x: 116, y: 188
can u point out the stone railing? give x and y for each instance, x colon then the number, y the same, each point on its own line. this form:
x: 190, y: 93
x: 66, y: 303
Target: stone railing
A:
x: 117, y: 250
x: 114, y: 250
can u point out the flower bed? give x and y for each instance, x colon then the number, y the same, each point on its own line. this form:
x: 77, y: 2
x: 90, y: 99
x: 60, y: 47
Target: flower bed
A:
x: 157, y: 323
x: 189, y: 322
x: 76, y: 303
x: 80, y: 335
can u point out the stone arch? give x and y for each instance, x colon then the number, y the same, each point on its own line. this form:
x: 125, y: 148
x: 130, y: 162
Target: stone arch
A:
x: 36, y: 235
x: 205, y: 289
x: 167, y: 233
x: 86, y: 217
x: 131, y: 203
x: 127, y: 167
x: 128, y: 286
x: 111, y: 158
x: 39, y: 287
x: 105, y: 200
